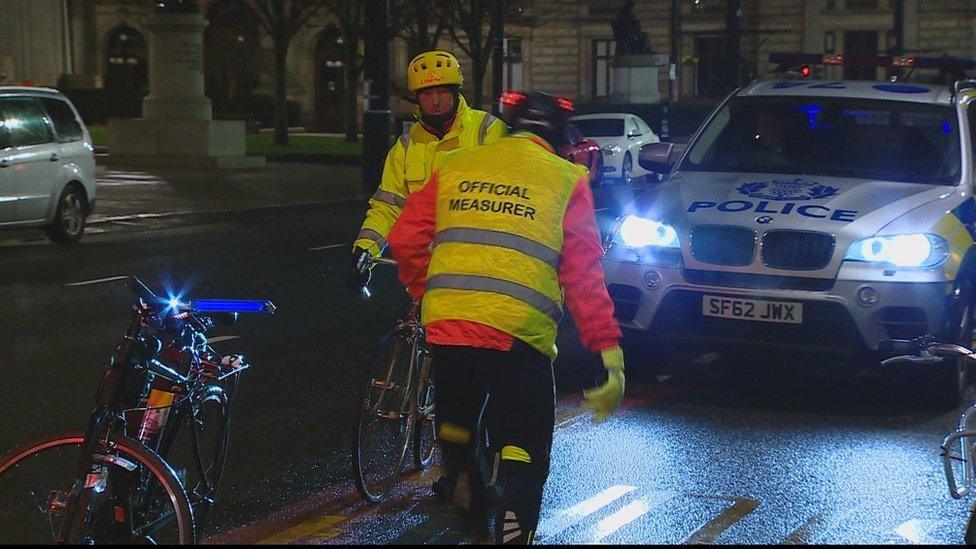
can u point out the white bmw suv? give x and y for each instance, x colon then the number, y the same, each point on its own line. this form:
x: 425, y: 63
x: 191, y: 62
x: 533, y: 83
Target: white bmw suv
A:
x: 47, y: 163
x: 809, y: 216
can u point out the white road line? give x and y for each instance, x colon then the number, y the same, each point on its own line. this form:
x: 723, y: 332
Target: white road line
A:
x: 566, y: 518
x: 96, y: 281
x: 623, y: 517
x: 920, y: 531
x: 326, y: 247
x: 218, y: 339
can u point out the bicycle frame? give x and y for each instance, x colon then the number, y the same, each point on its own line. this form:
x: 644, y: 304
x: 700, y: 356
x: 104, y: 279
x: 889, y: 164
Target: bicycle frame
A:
x: 965, y: 434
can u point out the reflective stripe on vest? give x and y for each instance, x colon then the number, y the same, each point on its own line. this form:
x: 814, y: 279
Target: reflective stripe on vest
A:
x: 370, y: 234
x: 485, y: 124
x: 533, y: 298
x: 405, y: 138
x: 389, y: 198
x: 498, y: 238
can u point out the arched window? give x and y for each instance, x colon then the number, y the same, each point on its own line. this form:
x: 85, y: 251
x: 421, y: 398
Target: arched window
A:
x: 330, y: 84
x: 231, y: 50
x: 126, y: 61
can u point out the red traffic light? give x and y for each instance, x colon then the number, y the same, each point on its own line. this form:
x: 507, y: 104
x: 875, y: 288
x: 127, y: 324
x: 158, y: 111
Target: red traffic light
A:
x: 805, y: 71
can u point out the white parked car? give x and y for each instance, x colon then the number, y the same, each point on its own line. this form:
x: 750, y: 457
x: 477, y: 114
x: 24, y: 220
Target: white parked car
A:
x: 47, y: 163
x: 620, y: 136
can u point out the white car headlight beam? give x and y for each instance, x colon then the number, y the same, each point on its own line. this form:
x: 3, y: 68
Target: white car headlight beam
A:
x: 638, y: 232
x: 900, y: 250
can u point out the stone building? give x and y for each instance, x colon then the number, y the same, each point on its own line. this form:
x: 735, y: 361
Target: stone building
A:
x: 565, y: 46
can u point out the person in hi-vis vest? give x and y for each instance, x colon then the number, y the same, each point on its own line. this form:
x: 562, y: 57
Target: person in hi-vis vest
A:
x: 445, y: 122
x: 493, y: 244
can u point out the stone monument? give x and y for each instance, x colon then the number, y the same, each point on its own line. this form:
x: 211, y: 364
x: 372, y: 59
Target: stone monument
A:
x: 177, y: 127
x: 634, y: 65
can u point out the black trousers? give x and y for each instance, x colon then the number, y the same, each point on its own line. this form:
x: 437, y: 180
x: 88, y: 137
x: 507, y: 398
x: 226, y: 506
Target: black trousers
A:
x: 516, y: 391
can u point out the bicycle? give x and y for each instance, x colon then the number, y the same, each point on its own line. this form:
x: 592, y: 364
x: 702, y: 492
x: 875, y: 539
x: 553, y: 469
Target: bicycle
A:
x: 396, y: 407
x: 959, y: 446
x: 165, y: 399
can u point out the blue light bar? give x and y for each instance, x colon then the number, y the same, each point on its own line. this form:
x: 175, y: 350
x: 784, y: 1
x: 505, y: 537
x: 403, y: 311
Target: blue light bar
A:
x: 232, y: 306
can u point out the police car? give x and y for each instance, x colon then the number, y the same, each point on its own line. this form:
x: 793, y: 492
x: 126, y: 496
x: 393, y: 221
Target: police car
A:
x: 810, y: 217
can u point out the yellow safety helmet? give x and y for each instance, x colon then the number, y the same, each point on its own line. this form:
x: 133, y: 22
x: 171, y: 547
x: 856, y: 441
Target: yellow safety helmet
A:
x: 433, y: 68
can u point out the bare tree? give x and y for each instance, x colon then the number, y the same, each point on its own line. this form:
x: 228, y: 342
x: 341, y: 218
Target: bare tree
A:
x: 421, y: 23
x: 349, y: 16
x: 468, y: 20
x: 282, y: 19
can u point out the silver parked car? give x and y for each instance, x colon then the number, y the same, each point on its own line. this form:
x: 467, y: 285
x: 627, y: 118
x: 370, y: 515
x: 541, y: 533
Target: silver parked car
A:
x: 810, y: 216
x: 47, y: 163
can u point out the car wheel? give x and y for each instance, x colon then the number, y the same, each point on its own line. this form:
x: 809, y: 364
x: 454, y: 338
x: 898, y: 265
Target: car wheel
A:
x: 596, y: 171
x: 69, y: 217
x: 947, y: 381
x: 626, y: 168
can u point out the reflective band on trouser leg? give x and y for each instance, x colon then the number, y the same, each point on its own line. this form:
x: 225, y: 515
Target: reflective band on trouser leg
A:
x: 514, y: 453
x: 454, y: 433
x: 534, y: 298
x: 389, y: 198
x: 522, y: 244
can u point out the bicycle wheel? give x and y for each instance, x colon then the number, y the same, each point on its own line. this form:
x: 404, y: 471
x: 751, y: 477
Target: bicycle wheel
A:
x: 199, y: 450
x: 131, y: 495
x: 383, y: 423
x: 425, y: 434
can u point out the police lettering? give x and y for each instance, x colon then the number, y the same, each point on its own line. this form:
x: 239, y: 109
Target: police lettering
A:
x: 765, y: 206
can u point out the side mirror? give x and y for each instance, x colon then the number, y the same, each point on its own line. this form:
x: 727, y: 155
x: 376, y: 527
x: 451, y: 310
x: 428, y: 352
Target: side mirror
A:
x: 656, y: 157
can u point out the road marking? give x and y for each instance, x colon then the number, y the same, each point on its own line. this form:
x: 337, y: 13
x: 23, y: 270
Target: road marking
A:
x: 97, y: 281
x: 919, y: 532
x: 600, y: 210
x: 566, y: 518
x: 323, y: 528
x: 626, y: 515
x: 218, y: 339
x: 326, y: 247
x: 711, y: 530
x: 815, y: 525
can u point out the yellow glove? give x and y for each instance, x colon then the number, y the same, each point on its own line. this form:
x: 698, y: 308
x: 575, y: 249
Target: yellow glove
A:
x: 605, y: 399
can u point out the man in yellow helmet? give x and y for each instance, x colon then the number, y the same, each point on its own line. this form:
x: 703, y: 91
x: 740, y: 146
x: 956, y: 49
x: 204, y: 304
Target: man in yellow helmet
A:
x: 445, y: 122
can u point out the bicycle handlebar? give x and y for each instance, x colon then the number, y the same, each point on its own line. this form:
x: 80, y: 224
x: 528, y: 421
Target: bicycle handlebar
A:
x: 921, y: 350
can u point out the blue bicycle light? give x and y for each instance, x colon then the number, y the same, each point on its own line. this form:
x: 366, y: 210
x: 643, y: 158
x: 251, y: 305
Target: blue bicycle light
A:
x: 232, y: 306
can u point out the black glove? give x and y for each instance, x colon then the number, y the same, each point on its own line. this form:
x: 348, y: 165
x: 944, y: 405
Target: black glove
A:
x: 358, y: 273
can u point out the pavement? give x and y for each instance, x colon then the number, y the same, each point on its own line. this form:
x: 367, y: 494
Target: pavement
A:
x: 150, y: 196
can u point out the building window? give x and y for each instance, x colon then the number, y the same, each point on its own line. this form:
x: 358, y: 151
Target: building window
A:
x: 602, y: 74
x: 861, y: 4
x: 231, y: 50
x: 830, y: 42
x: 127, y: 71
x: 860, y: 43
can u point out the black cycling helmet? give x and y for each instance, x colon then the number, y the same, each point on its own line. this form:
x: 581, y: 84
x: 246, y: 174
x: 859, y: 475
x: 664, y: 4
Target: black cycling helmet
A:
x: 541, y: 113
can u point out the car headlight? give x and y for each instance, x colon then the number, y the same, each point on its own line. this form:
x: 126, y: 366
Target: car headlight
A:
x: 611, y: 150
x: 638, y: 232
x: 900, y: 250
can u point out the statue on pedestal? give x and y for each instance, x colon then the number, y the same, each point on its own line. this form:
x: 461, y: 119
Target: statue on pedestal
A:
x: 627, y: 32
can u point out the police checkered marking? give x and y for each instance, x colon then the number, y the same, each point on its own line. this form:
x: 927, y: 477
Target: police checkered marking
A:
x: 777, y: 189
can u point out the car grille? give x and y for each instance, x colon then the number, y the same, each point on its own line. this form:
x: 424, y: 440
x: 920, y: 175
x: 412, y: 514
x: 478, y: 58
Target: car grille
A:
x: 757, y: 281
x: 797, y: 250
x: 826, y: 326
x: 723, y: 245
x: 626, y: 300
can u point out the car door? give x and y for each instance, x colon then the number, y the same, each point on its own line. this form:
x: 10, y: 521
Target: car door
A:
x: 33, y: 158
x: 8, y: 193
x: 70, y: 146
x: 633, y: 136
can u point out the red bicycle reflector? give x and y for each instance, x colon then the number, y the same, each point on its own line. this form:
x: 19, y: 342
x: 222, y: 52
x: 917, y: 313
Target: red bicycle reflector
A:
x: 565, y: 104
x: 512, y: 98
x: 805, y: 71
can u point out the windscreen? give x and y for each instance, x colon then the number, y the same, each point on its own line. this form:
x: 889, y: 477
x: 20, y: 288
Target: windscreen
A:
x: 600, y: 127
x: 842, y: 137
